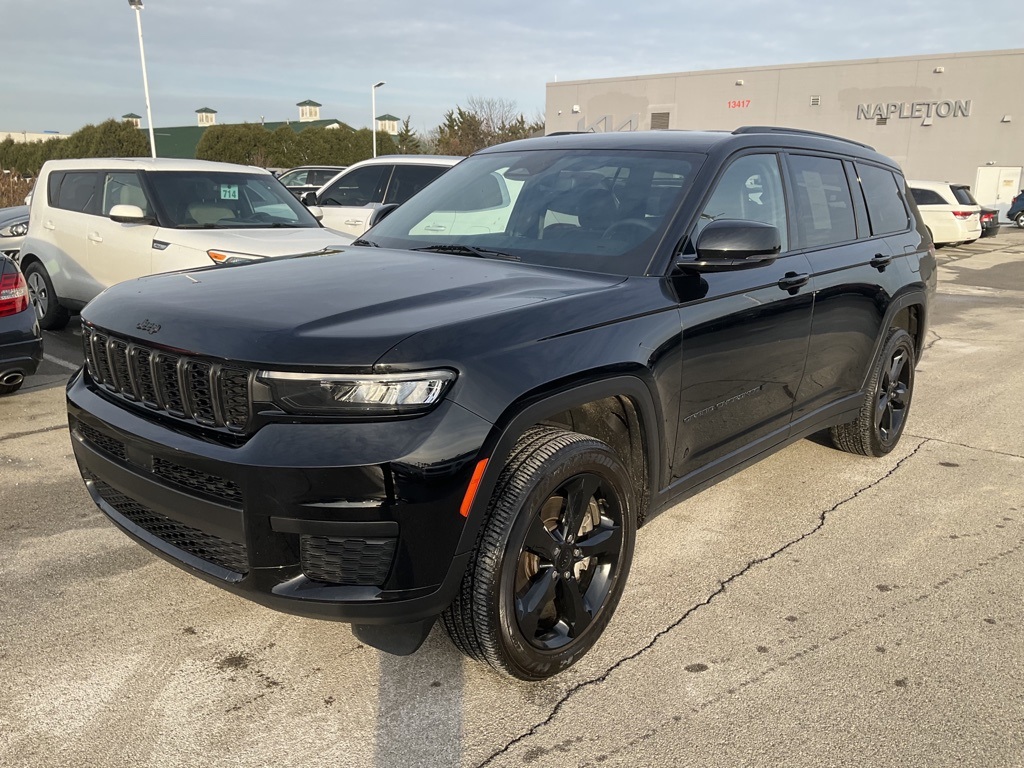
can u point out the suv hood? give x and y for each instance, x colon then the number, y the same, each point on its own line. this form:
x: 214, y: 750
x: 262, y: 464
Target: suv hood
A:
x: 258, y: 242
x: 342, y: 309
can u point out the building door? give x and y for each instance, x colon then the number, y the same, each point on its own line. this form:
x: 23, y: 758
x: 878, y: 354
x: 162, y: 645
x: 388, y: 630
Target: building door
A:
x: 996, y: 186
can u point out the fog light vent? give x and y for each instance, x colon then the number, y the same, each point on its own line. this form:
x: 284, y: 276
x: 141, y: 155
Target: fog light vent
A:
x: 354, y: 562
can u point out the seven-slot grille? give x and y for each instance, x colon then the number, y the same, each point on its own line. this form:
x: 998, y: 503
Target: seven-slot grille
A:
x: 208, y: 393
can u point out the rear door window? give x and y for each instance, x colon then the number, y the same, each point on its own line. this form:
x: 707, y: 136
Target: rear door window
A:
x: 822, y: 202
x: 77, y: 191
x: 884, y: 198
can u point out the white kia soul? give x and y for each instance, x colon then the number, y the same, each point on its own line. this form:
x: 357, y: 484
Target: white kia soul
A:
x: 98, y: 222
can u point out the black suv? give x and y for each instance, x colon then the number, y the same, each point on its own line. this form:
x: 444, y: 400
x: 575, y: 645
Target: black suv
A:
x: 469, y: 413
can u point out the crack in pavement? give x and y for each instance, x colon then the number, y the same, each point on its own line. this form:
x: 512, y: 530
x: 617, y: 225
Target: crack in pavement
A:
x: 16, y: 435
x: 571, y: 693
x: 964, y: 445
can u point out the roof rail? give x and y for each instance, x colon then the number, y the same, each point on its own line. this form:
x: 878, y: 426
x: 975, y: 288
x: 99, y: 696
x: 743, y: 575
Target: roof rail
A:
x: 566, y: 133
x: 798, y: 132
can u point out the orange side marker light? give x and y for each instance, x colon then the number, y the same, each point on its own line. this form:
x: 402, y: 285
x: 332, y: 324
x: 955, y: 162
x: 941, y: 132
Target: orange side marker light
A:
x: 474, y: 483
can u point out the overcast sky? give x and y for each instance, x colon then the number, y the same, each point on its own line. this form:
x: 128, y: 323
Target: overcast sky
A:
x: 72, y: 62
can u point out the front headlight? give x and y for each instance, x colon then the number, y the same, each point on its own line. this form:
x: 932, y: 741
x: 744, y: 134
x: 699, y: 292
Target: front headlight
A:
x: 370, y: 395
x: 228, y: 257
x: 15, y: 230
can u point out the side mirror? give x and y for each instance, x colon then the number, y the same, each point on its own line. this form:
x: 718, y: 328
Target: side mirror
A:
x: 128, y: 214
x: 308, y: 198
x: 381, y: 213
x: 735, y: 244
x: 317, y: 211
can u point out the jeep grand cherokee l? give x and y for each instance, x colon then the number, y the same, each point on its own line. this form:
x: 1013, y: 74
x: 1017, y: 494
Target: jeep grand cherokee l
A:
x: 473, y: 424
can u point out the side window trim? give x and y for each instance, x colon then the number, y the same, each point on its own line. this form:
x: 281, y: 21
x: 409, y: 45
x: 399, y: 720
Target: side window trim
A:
x: 860, y: 205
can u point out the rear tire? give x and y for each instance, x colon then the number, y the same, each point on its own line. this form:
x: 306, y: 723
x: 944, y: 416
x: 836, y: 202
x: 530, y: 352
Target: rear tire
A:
x: 552, y: 557
x: 884, y: 410
x: 52, y: 316
x: 1019, y: 220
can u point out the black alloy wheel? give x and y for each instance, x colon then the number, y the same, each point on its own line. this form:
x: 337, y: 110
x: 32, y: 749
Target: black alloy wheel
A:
x: 551, y: 559
x: 884, y: 410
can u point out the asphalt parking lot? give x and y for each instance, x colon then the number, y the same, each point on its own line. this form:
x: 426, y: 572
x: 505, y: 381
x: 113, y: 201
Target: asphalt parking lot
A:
x: 816, y: 609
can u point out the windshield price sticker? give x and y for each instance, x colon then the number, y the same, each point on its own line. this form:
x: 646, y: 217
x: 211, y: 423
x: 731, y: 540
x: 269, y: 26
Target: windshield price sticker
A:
x: 228, y: 191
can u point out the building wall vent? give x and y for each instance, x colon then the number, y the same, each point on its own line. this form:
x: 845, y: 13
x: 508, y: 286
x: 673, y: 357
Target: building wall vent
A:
x: 815, y: 101
x: 659, y: 121
x: 882, y: 121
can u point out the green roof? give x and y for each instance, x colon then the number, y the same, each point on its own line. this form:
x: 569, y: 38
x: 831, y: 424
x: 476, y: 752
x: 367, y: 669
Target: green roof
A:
x: 309, y: 103
x: 180, y: 142
x: 388, y: 117
x: 131, y: 116
x: 206, y: 111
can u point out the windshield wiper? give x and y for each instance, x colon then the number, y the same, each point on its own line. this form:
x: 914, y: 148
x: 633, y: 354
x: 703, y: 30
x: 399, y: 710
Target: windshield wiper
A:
x: 364, y: 241
x: 469, y: 250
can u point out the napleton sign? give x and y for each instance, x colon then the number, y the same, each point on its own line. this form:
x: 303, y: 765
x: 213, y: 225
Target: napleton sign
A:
x: 920, y: 110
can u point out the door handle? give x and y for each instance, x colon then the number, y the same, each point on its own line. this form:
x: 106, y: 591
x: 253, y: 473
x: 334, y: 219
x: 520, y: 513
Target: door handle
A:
x: 436, y: 228
x: 881, y: 261
x: 353, y: 222
x: 94, y: 237
x: 792, y: 282
x: 49, y: 225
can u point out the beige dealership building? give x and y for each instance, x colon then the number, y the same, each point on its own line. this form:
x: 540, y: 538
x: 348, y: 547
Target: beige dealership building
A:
x: 951, y: 117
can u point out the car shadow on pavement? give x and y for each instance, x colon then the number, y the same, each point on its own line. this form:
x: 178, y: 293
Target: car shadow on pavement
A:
x: 420, y: 706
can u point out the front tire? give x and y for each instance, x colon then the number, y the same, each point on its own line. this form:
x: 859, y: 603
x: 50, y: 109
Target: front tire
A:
x: 883, y: 413
x: 552, y: 558
x: 52, y: 316
x: 1019, y: 219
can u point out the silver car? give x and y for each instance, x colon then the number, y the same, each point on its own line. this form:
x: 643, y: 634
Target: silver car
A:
x: 13, y: 227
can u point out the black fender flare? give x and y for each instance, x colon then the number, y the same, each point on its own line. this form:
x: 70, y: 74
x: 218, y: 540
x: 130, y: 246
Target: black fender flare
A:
x: 525, y: 413
x: 914, y: 296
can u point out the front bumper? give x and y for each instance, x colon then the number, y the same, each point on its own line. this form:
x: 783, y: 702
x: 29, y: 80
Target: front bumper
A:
x: 355, y: 522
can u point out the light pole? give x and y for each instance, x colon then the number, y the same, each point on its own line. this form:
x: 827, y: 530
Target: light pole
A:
x: 137, y: 5
x: 373, y: 117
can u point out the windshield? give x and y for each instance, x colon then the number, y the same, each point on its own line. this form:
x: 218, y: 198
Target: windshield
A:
x: 219, y: 200
x: 595, y: 210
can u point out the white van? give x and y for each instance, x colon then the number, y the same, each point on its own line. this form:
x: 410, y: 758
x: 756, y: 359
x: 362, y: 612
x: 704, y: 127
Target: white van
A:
x: 950, y: 211
x: 98, y: 222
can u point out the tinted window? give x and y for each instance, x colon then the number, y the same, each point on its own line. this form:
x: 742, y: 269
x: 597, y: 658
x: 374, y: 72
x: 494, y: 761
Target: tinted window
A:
x: 407, y: 180
x: 321, y: 177
x: 77, y: 191
x: 294, y: 178
x: 886, y: 208
x: 358, y: 188
x: 822, y: 201
x: 964, y: 196
x: 750, y: 189
x: 927, y: 197
x: 123, y: 189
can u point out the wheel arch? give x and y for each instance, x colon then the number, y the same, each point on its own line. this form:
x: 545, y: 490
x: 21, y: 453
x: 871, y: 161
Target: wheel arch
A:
x: 620, y: 409
x: 908, y: 310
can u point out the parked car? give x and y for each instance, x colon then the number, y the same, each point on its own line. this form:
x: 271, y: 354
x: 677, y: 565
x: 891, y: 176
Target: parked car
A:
x: 350, y: 199
x: 98, y: 222
x: 950, y: 212
x: 1016, y: 211
x: 13, y: 228
x: 308, y: 178
x: 989, y: 222
x: 21, y: 343
x: 473, y: 424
